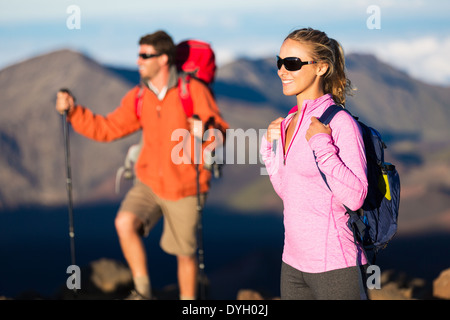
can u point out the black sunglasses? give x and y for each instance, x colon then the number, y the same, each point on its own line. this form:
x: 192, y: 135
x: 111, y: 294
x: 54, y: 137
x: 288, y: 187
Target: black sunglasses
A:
x: 292, y: 63
x: 149, y: 55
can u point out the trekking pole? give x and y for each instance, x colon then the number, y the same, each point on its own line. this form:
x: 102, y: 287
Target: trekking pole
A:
x: 201, y: 263
x: 69, y: 184
x: 201, y: 253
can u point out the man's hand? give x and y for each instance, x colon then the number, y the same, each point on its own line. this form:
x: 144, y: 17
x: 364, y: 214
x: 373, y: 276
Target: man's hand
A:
x: 196, y: 127
x: 64, y: 101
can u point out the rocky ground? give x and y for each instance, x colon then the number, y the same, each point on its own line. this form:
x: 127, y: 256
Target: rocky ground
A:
x: 107, y: 279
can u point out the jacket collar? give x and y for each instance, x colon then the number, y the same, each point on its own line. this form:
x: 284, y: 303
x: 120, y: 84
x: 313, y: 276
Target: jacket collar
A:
x: 173, y: 80
x: 312, y: 104
x: 173, y: 77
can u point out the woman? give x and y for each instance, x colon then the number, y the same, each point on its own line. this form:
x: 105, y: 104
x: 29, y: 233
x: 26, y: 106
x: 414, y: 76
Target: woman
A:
x: 319, y: 258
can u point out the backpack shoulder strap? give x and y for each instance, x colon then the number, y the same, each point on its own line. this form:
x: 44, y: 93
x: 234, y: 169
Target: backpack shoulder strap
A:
x: 138, y: 101
x: 326, y: 118
x: 355, y: 223
x: 328, y: 115
x: 185, y: 94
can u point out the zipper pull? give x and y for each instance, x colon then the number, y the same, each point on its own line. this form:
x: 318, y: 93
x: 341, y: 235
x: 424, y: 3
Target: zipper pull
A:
x: 158, y: 110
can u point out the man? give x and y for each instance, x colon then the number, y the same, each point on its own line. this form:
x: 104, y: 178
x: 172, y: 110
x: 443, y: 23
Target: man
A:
x: 163, y: 188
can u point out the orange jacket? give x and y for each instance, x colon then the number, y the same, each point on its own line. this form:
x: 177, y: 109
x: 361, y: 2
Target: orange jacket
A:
x: 158, y: 121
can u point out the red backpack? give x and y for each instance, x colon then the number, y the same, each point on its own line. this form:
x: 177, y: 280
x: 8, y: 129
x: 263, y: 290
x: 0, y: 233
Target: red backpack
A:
x: 193, y: 59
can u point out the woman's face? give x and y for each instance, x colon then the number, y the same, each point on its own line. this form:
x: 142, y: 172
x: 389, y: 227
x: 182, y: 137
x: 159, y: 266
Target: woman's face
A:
x: 306, y: 81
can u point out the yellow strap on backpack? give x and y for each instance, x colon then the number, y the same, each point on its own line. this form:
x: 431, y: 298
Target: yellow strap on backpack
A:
x: 388, y: 190
x: 383, y: 185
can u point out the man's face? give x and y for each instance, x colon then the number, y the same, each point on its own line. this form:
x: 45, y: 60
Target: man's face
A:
x: 150, y: 67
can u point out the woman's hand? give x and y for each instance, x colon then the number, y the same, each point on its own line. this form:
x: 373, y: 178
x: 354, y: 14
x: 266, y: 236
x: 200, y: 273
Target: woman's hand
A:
x: 274, y: 130
x: 316, y: 127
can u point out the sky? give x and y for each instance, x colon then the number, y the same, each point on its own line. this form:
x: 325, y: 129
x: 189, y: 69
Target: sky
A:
x: 412, y: 35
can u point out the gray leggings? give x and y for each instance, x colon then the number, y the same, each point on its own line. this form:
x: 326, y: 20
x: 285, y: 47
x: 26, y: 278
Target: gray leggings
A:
x: 340, y: 284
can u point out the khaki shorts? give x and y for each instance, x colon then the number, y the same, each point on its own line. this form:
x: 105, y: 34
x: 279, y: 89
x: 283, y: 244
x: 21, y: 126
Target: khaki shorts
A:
x: 181, y: 217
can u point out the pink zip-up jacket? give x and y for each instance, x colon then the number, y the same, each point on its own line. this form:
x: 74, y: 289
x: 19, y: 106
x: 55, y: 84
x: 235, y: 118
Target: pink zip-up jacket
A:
x: 317, y: 238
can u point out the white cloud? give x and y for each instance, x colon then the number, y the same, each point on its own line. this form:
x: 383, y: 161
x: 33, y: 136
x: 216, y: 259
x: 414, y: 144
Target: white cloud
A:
x: 424, y: 58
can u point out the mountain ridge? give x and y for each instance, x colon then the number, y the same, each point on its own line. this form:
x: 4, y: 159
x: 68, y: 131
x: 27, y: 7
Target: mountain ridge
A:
x: 249, y: 95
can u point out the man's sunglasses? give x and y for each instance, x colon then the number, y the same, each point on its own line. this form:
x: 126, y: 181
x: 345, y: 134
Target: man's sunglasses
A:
x: 149, y: 55
x: 292, y: 63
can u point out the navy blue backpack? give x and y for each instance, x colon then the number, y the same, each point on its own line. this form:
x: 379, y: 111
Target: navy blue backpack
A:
x: 375, y: 224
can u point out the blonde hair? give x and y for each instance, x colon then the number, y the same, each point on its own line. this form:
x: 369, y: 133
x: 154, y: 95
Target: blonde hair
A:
x: 328, y: 50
